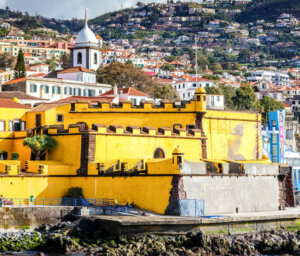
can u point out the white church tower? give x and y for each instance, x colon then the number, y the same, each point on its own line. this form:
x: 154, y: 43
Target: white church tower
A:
x: 86, y: 52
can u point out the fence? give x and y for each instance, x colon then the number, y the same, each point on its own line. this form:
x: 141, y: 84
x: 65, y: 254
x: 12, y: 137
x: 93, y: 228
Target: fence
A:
x: 59, y: 202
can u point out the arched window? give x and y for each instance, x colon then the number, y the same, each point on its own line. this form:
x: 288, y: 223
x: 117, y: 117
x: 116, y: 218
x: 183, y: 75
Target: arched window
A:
x: 95, y: 58
x: 79, y: 58
x: 159, y: 153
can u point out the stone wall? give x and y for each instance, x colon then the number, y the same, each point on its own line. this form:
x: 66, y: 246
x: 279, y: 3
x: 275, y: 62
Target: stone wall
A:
x: 19, y: 217
x: 225, y: 194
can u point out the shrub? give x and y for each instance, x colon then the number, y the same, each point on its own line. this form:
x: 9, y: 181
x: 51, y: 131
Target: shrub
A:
x: 4, y: 154
x: 75, y: 192
x: 15, y: 156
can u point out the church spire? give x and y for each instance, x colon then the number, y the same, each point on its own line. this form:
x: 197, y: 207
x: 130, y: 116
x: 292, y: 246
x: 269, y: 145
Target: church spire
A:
x: 85, y: 16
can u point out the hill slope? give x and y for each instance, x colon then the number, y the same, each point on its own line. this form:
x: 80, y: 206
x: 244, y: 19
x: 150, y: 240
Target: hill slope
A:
x: 268, y: 10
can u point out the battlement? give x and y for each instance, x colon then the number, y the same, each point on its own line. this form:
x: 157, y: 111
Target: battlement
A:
x: 119, y: 130
x: 145, y: 106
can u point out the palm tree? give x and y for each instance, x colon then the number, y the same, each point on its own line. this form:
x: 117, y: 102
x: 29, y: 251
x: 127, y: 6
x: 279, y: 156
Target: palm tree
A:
x: 39, y: 145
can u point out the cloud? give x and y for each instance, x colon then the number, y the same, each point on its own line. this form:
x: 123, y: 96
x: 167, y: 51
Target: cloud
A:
x: 68, y: 9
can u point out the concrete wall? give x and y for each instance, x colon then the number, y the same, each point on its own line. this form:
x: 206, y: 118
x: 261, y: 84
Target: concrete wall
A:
x: 225, y: 194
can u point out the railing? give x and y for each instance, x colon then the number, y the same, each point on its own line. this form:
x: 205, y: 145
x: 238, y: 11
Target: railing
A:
x: 59, y: 202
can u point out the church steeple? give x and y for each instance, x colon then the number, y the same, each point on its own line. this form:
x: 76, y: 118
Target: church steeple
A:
x: 87, y: 52
x: 86, y: 16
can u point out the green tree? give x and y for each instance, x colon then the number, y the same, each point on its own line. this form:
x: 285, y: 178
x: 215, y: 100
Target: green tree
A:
x: 244, y: 55
x: 126, y: 75
x: 6, y: 61
x: 52, y: 63
x: 245, y: 98
x: 65, y: 61
x: 20, y: 69
x: 168, y: 67
x: 217, y: 68
x: 236, y: 66
x: 229, y: 93
x: 166, y: 92
x: 39, y: 145
x: 214, y: 90
x: 169, y: 58
x: 268, y: 104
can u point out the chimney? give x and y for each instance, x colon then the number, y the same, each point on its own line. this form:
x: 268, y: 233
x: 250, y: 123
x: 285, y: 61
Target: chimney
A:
x: 115, y: 90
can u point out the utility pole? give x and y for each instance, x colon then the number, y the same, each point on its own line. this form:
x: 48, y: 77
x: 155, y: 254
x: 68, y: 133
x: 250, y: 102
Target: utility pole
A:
x: 196, y: 58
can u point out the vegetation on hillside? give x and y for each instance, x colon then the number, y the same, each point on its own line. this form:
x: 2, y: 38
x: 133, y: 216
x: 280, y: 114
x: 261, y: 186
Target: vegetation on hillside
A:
x: 268, y: 10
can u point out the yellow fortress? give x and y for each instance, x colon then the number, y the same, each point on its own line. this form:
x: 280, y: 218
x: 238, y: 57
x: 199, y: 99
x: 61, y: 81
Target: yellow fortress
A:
x: 167, y: 159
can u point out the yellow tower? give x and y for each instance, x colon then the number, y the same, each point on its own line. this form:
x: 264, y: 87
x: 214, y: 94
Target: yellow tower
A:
x: 178, y: 157
x: 200, y: 98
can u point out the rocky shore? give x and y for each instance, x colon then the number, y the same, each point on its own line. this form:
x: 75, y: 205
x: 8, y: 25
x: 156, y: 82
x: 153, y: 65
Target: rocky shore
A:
x: 87, y: 237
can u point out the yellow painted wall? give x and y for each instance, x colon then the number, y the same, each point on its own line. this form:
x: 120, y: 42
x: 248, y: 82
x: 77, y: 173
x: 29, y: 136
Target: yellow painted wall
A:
x: 110, y: 147
x: 232, y: 135
x: 149, y: 193
x: 123, y: 117
x: 9, y: 114
x: 67, y: 150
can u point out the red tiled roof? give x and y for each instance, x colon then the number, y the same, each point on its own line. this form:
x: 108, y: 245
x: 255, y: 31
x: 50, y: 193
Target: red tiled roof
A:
x: 17, y: 94
x: 129, y: 91
x: 286, y: 105
x: 85, y: 99
x: 76, y: 69
x: 38, y: 75
x: 18, y: 80
x: 6, y: 103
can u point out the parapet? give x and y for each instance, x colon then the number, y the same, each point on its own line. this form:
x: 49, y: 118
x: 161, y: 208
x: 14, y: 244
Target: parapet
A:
x: 128, y: 107
x: 80, y: 128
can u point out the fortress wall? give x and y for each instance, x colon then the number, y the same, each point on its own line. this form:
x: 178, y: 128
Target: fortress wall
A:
x: 233, y: 135
x: 112, y: 147
x: 225, y: 194
x: 149, y: 193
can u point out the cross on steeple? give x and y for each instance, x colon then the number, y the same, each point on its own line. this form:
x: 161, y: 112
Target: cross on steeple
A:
x: 85, y: 15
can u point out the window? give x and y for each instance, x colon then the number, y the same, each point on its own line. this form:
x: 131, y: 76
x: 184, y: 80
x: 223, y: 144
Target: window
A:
x: 159, y: 153
x: 58, y: 90
x: 53, y: 89
x: 79, y: 91
x: 60, y: 118
x: 91, y: 93
x: 74, y: 91
x: 33, y: 88
x: 2, y: 126
x: 47, y: 88
x: 198, y: 98
x: 178, y: 86
x: 79, y: 58
x: 218, y: 98
x: 95, y: 58
x: 65, y: 90
x: 194, y: 85
x: 70, y: 91
x: 100, y: 92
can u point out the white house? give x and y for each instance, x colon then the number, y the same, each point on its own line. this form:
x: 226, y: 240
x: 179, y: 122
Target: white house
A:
x: 129, y: 94
x: 186, y: 88
x: 275, y: 77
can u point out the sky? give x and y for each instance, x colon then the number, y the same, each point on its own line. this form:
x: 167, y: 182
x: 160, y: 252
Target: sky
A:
x: 68, y: 9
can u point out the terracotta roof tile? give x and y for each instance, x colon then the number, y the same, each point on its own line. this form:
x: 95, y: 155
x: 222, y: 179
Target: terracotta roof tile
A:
x: 17, y: 94
x: 129, y: 91
x: 76, y: 69
x: 18, y: 80
x: 6, y: 103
